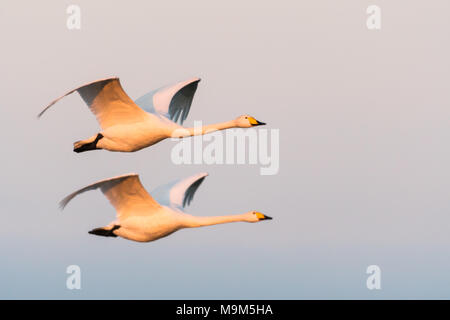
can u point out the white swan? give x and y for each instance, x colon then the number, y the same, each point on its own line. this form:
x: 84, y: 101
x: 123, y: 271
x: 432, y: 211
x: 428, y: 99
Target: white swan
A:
x: 127, y: 127
x: 141, y: 218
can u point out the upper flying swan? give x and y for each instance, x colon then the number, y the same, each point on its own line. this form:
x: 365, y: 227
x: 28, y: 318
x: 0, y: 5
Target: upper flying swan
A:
x: 129, y: 126
x: 141, y: 218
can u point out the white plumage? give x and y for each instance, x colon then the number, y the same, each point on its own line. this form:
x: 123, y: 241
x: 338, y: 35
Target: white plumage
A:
x: 143, y: 217
x: 129, y: 126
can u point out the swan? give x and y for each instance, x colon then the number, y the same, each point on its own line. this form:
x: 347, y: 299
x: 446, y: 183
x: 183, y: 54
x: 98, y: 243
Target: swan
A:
x: 142, y: 218
x: 129, y: 126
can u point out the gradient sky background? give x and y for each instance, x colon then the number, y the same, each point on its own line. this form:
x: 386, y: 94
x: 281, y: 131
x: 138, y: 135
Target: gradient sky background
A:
x: 364, y: 122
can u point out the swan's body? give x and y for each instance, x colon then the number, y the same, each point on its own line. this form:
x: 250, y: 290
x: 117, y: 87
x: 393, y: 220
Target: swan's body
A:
x: 141, y: 218
x: 129, y: 126
x: 136, y: 136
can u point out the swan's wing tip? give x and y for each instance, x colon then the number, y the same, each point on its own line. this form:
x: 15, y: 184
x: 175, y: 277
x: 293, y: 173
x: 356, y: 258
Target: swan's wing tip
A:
x: 72, y: 91
x: 63, y: 203
x: 192, y: 188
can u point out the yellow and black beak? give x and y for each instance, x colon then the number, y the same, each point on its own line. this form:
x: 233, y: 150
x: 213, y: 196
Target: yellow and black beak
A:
x: 255, y: 122
x: 262, y: 216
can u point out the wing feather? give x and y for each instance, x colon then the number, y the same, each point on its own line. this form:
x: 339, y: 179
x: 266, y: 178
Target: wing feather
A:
x: 108, y: 101
x: 179, y: 193
x: 173, y: 102
x: 125, y: 193
x: 189, y: 193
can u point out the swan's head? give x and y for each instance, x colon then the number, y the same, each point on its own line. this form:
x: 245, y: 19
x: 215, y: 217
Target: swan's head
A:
x: 255, y: 216
x: 246, y: 121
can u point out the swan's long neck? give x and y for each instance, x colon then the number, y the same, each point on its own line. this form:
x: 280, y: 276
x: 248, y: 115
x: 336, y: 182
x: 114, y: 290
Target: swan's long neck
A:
x: 195, y: 131
x: 195, y: 221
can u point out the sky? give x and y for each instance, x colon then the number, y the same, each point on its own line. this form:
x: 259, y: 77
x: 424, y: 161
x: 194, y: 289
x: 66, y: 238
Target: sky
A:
x: 363, y: 122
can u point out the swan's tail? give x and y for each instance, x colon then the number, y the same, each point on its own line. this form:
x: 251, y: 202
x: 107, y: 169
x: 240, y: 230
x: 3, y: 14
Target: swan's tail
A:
x: 104, y: 232
x: 88, y: 144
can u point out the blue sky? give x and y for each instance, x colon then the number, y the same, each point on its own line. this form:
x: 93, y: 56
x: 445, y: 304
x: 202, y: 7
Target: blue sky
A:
x: 363, y: 119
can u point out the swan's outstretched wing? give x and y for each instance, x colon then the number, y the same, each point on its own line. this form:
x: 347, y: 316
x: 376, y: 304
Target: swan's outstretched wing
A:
x: 173, y: 102
x: 125, y: 193
x: 108, y: 101
x: 178, y: 194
